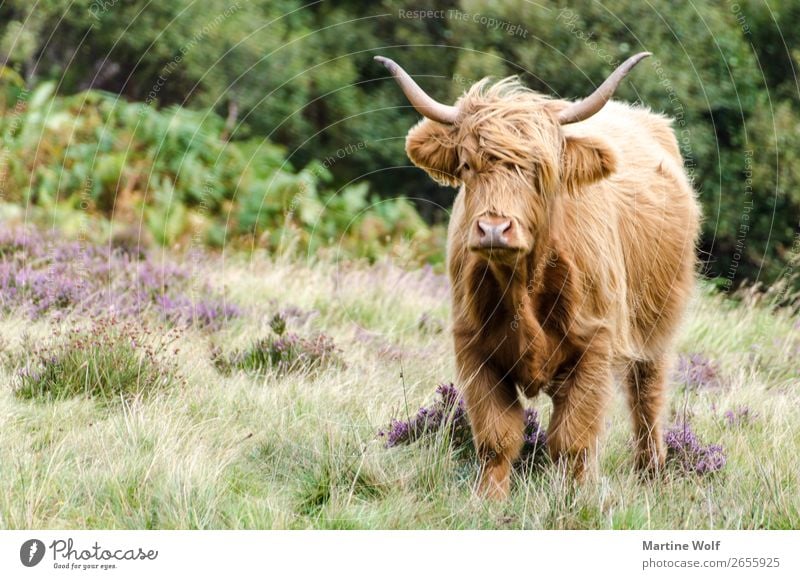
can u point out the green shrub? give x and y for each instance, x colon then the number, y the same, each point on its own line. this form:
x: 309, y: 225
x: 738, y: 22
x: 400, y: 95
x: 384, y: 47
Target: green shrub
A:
x: 173, y: 170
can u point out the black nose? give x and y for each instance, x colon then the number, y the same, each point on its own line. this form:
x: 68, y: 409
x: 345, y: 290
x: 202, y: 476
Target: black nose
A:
x: 494, y: 232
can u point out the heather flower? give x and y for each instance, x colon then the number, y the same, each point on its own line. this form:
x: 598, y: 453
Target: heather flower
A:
x: 697, y: 371
x: 447, y: 415
x: 446, y: 412
x: 285, y: 351
x: 534, y: 447
x: 741, y: 416
x: 44, y: 275
x: 689, y: 455
x: 203, y: 312
x: 398, y: 432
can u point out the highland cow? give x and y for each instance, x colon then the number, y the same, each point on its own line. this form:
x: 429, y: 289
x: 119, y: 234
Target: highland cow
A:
x: 571, y: 253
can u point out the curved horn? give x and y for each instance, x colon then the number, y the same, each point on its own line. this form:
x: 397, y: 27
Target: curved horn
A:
x: 418, y: 98
x: 584, y: 109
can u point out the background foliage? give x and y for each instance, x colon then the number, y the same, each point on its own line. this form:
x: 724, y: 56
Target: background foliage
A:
x: 301, y: 74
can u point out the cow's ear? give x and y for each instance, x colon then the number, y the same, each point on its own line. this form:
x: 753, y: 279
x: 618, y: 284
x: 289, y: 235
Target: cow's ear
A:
x: 431, y: 146
x: 585, y: 160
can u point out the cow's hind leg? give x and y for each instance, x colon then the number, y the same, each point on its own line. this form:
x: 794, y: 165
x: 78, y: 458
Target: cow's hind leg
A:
x: 579, y: 404
x: 496, y: 416
x: 646, y: 382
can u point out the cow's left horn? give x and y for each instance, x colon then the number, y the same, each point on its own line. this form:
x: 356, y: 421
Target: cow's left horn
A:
x: 419, y: 99
x: 584, y: 109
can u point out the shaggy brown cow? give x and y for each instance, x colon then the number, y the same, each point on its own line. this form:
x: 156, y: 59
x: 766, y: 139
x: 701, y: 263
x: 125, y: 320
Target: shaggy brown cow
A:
x: 571, y: 252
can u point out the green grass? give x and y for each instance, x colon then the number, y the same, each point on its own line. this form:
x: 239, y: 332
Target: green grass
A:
x: 108, y: 361
x: 298, y: 449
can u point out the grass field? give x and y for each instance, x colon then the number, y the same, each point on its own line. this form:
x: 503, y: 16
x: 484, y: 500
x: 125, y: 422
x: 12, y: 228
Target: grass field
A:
x: 148, y: 422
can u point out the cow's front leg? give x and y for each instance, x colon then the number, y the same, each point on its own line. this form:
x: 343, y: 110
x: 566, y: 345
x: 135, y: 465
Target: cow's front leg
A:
x: 496, y: 417
x: 579, y: 404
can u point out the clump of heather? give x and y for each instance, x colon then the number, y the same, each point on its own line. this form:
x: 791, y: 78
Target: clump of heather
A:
x: 741, y: 416
x: 534, y: 446
x: 687, y: 454
x: 696, y: 371
x: 447, y: 416
x: 206, y: 313
x: 108, y: 360
x: 285, y: 351
x: 45, y: 275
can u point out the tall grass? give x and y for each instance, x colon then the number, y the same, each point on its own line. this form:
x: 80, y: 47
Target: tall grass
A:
x: 300, y: 449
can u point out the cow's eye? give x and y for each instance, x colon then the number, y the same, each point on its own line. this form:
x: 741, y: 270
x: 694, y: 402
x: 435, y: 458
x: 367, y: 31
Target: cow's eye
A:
x: 465, y: 167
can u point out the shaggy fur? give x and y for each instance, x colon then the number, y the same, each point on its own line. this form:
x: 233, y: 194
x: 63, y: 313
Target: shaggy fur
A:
x: 607, y: 221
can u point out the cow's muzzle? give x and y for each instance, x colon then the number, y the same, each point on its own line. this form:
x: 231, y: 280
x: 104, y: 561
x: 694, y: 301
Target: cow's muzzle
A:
x: 494, y: 233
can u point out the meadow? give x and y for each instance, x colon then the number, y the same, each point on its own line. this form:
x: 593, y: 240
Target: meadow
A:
x: 255, y: 391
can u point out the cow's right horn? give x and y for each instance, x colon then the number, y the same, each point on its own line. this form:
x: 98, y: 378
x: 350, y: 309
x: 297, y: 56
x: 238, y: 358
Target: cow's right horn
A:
x: 418, y: 98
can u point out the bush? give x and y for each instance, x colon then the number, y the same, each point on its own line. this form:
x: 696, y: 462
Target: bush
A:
x: 172, y: 170
x: 109, y: 361
x: 283, y: 351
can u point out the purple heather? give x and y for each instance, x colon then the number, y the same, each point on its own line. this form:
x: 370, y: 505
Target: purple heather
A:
x: 41, y: 274
x: 689, y: 455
